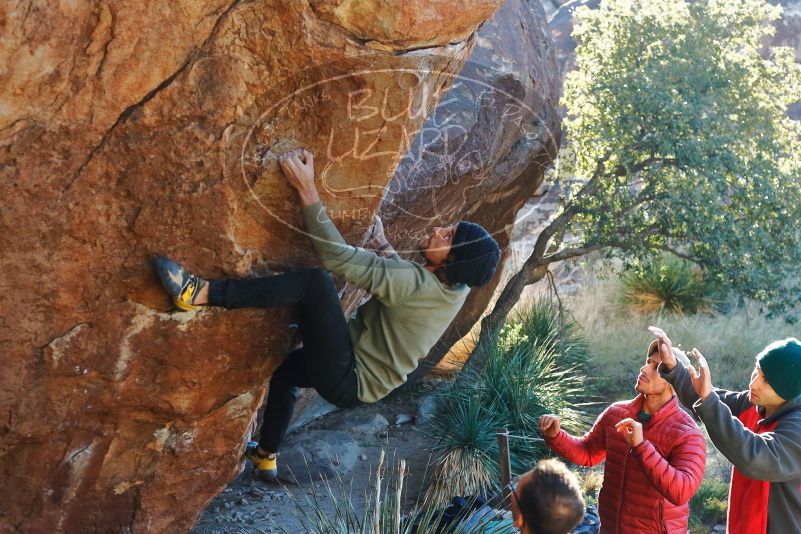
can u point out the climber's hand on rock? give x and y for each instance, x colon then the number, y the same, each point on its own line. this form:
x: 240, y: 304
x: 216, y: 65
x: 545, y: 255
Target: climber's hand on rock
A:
x: 298, y: 166
x: 376, y: 237
x: 378, y: 227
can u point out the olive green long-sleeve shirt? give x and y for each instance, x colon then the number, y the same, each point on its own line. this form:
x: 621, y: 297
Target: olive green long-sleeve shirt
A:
x: 409, y: 311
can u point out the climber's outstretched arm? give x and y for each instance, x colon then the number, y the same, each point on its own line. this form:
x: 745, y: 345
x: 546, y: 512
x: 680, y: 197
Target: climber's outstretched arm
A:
x: 390, y: 279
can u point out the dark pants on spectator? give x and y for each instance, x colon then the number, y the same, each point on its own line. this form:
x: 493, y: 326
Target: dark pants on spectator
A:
x: 325, y: 362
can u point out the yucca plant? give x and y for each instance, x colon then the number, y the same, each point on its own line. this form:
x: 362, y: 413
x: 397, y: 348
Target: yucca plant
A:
x: 522, y: 384
x: 466, y: 445
x: 666, y: 283
x: 545, y: 322
x: 520, y: 381
x: 333, y: 512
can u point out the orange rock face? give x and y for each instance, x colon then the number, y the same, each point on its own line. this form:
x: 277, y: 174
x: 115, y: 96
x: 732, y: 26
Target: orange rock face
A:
x: 405, y: 24
x: 129, y: 129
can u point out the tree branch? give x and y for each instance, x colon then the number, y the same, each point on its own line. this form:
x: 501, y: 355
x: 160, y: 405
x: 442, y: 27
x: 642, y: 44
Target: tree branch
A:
x: 566, y: 254
x: 678, y: 254
x: 541, y: 245
x: 552, y: 282
x: 536, y: 266
x: 650, y: 161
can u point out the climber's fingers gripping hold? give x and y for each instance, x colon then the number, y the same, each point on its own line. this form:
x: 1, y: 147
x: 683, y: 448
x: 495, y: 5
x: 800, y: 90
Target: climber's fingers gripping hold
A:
x: 298, y: 166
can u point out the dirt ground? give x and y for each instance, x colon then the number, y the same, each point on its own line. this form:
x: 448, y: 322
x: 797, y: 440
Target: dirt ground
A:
x: 249, y: 505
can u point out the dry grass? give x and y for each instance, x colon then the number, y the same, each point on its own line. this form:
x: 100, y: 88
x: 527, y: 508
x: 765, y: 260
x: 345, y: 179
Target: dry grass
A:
x: 458, y: 472
x: 618, y: 337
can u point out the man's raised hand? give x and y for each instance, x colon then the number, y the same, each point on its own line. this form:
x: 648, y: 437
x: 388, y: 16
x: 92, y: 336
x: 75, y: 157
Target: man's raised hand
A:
x: 298, y: 166
x: 665, y: 347
x: 631, y: 430
x: 550, y: 425
x: 702, y: 379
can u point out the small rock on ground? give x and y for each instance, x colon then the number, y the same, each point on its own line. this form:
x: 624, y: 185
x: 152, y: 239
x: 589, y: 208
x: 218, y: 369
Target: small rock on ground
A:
x: 403, y: 419
x: 426, y: 407
x: 367, y: 426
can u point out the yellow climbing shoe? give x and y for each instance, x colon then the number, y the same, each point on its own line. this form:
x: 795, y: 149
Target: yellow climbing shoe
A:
x: 265, y: 467
x: 182, y: 286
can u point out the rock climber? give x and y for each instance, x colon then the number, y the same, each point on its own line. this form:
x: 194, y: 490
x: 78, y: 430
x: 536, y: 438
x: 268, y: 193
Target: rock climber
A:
x: 362, y: 360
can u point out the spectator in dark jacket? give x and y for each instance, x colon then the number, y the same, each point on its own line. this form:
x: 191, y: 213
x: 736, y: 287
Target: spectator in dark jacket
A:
x: 655, y: 457
x: 758, y: 431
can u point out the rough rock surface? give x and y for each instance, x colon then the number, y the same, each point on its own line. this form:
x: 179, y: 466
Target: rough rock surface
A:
x: 134, y: 128
x: 365, y: 427
x: 561, y: 26
x: 788, y: 28
x: 426, y: 409
x: 788, y: 33
x: 552, y: 6
x: 406, y: 24
x: 314, y: 454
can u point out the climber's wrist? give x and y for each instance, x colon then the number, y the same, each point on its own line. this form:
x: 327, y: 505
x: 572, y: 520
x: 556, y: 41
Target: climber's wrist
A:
x: 309, y: 196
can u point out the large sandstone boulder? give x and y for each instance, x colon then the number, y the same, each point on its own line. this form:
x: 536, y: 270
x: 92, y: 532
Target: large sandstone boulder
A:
x: 561, y: 27
x: 129, y: 129
x: 551, y: 7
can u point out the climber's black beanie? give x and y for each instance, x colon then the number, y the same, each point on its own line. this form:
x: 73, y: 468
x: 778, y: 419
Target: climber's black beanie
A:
x: 474, y: 255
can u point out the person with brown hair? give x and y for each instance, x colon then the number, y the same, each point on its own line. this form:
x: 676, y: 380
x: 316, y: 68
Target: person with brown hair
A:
x: 547, y: 500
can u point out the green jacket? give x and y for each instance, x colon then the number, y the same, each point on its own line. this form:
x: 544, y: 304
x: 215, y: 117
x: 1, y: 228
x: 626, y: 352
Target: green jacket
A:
x: 407, y: 315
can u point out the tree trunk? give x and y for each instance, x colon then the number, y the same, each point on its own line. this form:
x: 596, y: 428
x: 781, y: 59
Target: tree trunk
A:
x: 506, y: 301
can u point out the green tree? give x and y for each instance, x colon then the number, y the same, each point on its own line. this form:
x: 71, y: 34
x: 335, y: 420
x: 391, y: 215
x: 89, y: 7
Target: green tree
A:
x: 678, y: 140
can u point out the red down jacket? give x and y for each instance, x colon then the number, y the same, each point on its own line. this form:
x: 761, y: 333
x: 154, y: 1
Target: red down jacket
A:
x: 646, y: 488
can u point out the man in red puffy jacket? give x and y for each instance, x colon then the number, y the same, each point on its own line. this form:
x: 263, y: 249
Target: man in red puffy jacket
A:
x: 655, y: 457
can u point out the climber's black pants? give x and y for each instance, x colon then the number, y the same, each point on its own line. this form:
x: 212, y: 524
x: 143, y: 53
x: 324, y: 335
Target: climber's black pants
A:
x: 325, y: 362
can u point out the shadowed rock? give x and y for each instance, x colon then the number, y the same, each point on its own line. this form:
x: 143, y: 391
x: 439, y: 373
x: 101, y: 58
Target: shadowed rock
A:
x: 317, y: 453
